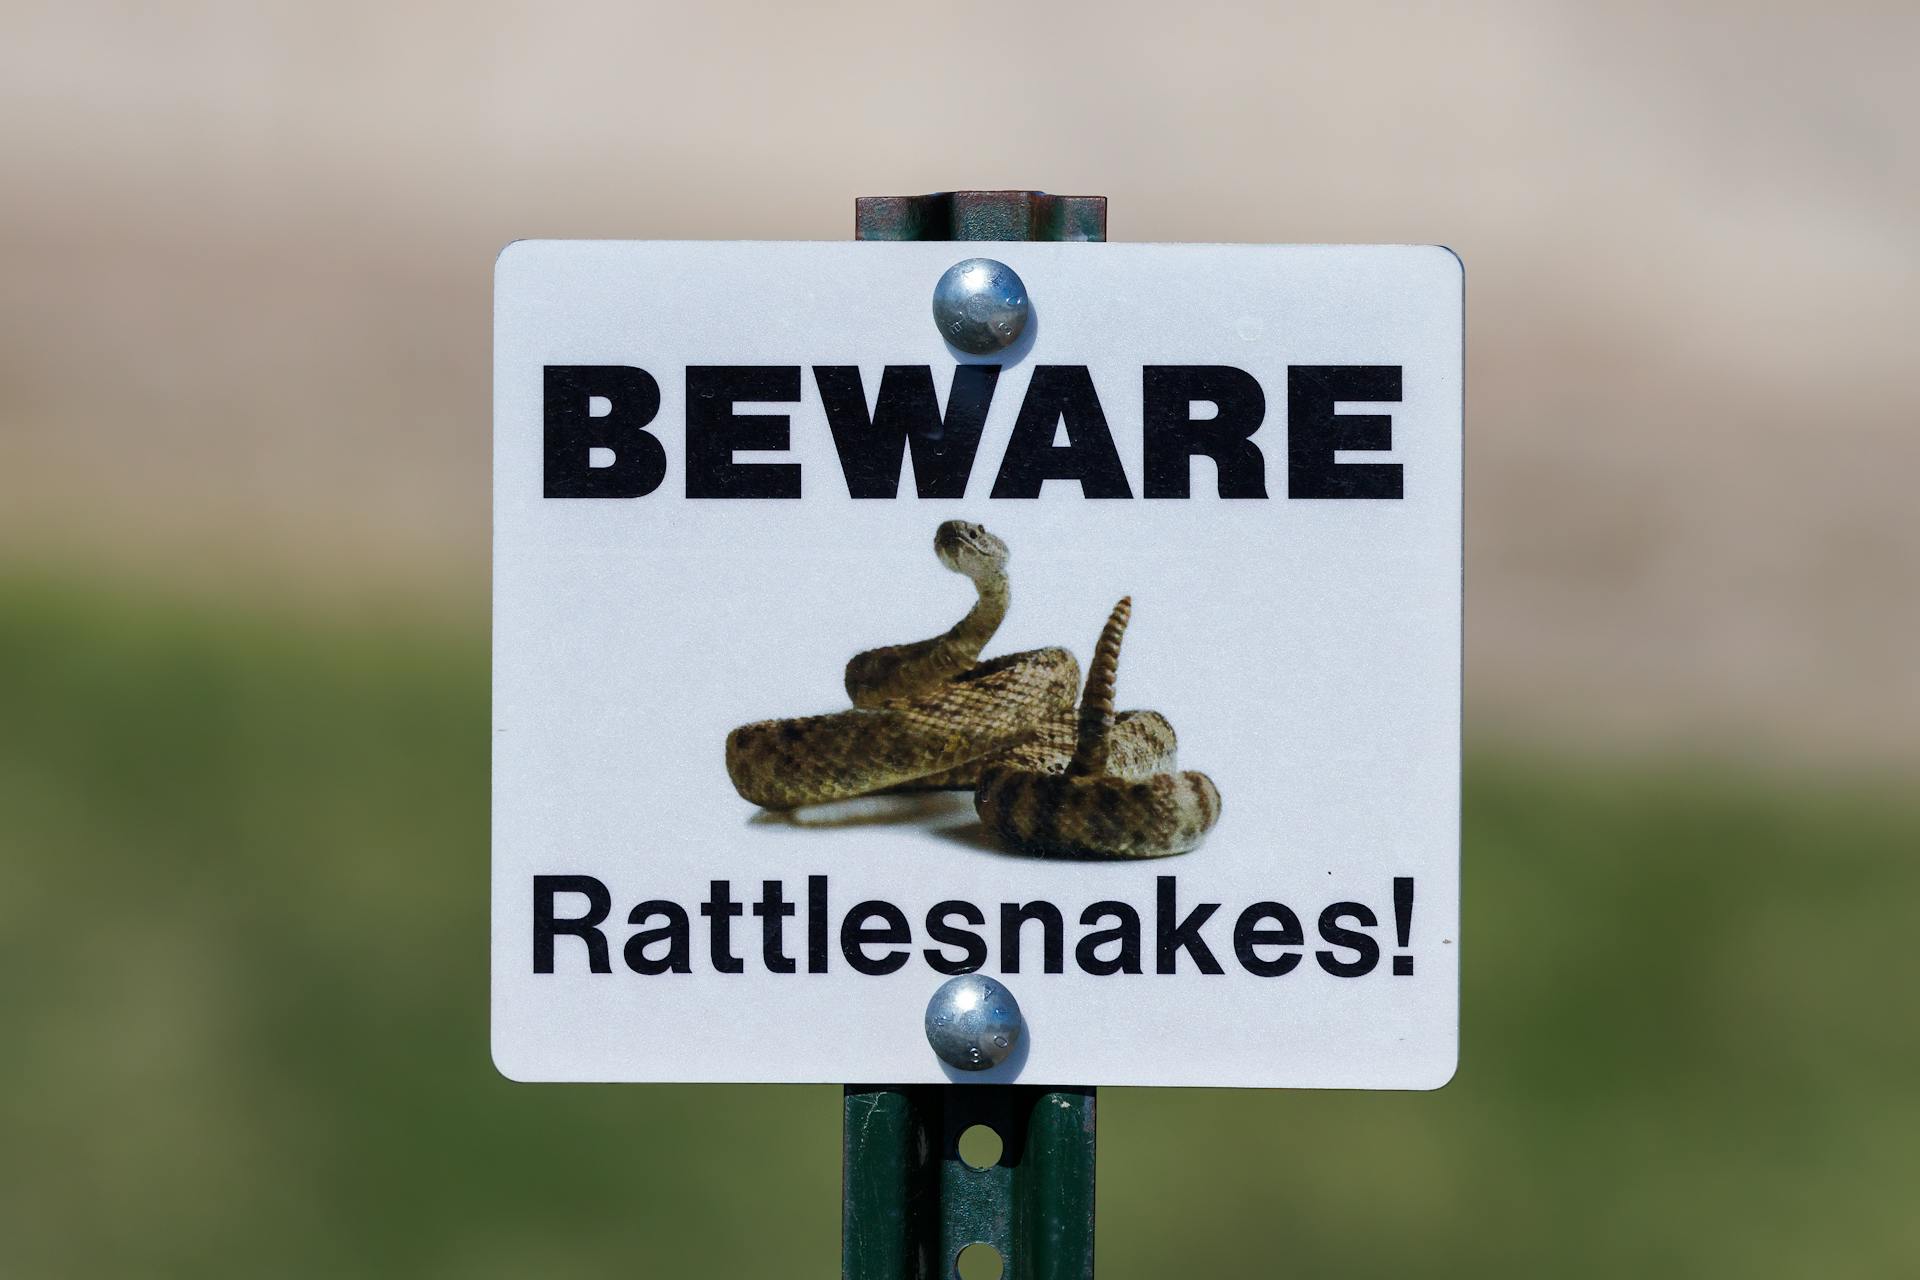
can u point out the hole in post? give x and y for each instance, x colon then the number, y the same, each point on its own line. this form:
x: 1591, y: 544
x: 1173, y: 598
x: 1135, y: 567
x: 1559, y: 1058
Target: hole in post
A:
x: 980, y: 1147
x: 978, y: 1262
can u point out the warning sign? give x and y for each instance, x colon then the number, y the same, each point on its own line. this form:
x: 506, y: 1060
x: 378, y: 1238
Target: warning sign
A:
x: 1082, y: 616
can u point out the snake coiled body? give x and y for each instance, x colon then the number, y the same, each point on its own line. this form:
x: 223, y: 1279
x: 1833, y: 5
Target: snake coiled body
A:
x: 936, y: 738
x: 930, y: 715
x: 1101, y: 803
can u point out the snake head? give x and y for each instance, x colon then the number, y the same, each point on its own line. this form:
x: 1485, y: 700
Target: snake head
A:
x: 969, y: 549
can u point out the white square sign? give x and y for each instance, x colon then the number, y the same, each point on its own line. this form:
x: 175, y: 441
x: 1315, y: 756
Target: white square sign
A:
x: 831, y: 661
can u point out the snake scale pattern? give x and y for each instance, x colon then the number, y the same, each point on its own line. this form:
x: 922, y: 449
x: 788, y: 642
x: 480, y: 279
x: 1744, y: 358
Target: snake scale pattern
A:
x: 1047, y: 778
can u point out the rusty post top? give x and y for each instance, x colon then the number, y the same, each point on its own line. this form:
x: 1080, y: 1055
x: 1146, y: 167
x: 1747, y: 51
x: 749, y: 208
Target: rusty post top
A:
x: 980, y: 215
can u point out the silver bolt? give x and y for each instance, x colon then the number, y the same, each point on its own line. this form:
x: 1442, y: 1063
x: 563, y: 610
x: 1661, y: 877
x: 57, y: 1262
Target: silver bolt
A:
x: 973, y: 1022
x: 981, y: 306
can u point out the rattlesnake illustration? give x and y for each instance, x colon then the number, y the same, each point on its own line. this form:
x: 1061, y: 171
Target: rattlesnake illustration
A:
x: 930, y: 715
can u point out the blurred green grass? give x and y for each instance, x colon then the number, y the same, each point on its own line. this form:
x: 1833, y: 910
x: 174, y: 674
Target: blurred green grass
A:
x: 243, y: 1012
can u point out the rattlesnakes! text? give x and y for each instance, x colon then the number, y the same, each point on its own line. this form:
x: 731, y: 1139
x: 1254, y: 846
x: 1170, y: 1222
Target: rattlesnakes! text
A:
x: 1266, y: 939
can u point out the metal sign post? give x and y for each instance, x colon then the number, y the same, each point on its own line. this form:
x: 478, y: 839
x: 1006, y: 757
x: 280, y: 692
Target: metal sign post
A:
x: 911, y: 1205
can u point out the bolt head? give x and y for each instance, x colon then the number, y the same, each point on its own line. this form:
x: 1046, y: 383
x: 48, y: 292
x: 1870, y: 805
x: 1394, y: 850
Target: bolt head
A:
x: 981, y: 306
x: 973, y: 1022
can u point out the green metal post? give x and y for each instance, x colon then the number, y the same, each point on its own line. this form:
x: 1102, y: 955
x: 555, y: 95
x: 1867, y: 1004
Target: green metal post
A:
x: 909, y: 1203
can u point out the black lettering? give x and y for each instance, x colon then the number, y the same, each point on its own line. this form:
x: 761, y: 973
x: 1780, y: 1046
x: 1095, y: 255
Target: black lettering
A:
x: 970, y: 943
x: 721, y: 910
x: 1053, y: 935
x: 675, y: 933
x: 1127, y: 933
x: 856, y: 935
x: 816, y: 924
x: 906, y: 416
x: 1315, y: 432
x: 1367, y: 951
x: 1402, y: 922
x: 1248, y: 935
x: 1172, y: 436
x: 715, y: 432
x: 773, y: 910
x: 572, y: 431
x: 1061, y: 395
x: 1172, y: 938
x: 547, y: 927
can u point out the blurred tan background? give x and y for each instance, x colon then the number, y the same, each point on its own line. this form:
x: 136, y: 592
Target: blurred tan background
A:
x: 247, y: 252
x: 245, y: 274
